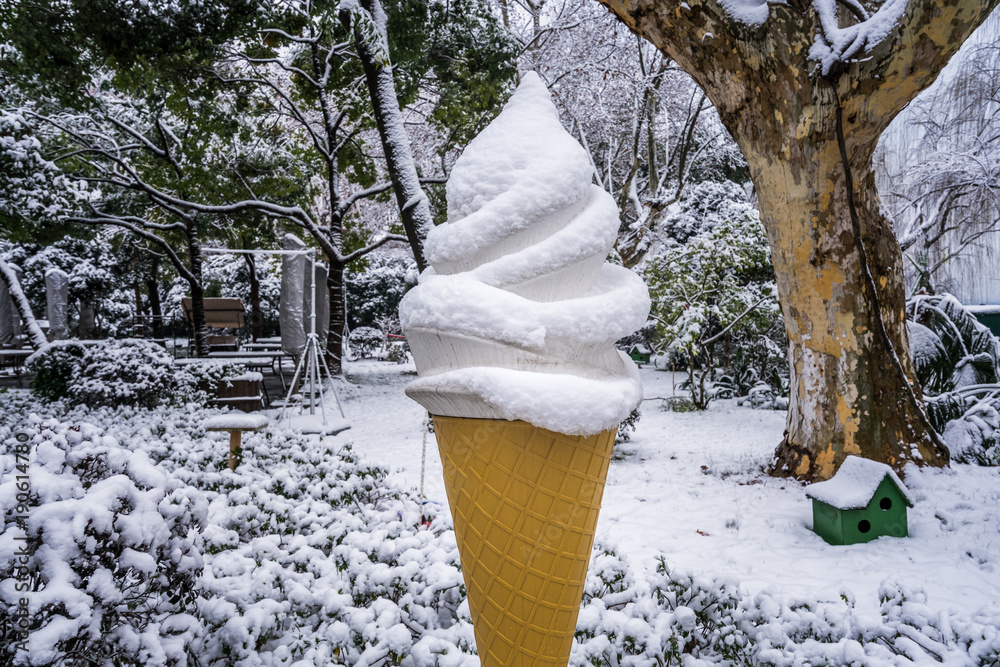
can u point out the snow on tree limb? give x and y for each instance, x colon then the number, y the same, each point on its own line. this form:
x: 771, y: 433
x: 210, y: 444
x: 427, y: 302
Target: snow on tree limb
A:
x: 372, y: 44
x: 36, y: 337
x: 883, y: 44
x: 835, y: 45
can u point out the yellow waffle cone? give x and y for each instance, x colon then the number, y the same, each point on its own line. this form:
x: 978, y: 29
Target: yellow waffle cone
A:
x: 525, y: 502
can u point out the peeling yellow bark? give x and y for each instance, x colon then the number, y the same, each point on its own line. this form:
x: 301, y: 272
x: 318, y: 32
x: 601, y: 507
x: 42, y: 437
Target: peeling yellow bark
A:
x: 847, y: 396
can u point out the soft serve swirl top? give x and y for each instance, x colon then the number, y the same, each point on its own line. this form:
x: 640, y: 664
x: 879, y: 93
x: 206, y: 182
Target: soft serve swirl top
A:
x: 518, y: 316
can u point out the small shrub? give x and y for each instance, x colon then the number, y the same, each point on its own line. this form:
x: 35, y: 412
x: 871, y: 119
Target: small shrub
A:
x: 365, y: 341
x: 124, y: 372
x: 116, y: 566
x: 54, y: 367
x: 199, y: 383
x: 627, y: 427
x: 678, y: 404
x: 398, y: 352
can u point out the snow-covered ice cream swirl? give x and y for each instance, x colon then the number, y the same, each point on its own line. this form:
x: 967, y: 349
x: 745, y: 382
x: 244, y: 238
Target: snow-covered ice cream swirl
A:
x: 517, y: 317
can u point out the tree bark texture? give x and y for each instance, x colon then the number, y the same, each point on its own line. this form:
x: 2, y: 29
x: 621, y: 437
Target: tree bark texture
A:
x: 196, y: 282
x: 338, y: 318
x: 850, y: 367
x: 256, y: 317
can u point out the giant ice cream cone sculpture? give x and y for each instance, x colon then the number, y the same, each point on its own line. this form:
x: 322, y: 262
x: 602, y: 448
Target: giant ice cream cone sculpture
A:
x: 513, y: 330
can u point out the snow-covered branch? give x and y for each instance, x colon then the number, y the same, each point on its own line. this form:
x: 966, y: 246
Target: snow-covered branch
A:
x: 378, y: 243
x: 36, y: 337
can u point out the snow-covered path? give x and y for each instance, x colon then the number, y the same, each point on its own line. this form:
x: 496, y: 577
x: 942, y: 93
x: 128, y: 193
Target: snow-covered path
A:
x: 690, y: 486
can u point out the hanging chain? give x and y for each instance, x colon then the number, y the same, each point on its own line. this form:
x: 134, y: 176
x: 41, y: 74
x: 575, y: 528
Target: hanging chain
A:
x: 423, y: 466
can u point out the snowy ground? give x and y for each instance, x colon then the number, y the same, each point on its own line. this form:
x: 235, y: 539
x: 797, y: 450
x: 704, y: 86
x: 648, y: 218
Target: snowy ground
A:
x: 690, y: 486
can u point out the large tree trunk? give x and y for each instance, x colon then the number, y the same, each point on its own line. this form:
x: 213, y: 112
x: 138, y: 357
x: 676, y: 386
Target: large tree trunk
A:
x: 155, y: 305
x: 196, y: 282
x: 256, y: 317
x: 338, y: 318
x: 848, y: 395
x: 808, y: 139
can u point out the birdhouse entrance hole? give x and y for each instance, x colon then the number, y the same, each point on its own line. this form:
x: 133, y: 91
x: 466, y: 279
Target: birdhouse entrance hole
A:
x: 864, y: 526
x: 885, y: 504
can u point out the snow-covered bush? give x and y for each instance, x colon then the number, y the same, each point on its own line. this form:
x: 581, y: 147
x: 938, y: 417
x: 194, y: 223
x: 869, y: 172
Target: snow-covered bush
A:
x: 704, y: 207
x: 627, y: 427
x: 376, y: 286
x: 957, y: 361
x: 198, y: 383
x: 150, y: 551
x: 674, y: 617
x: 974, y: 436
x: 950, y: 347
x: 712, y: 294
x: 397, y: 352
x: 114, y: 572
x: 132, y: 372
x: 365, y: 342
x: 303, y: 553
x: 123, y: 372
x: 54, y: 368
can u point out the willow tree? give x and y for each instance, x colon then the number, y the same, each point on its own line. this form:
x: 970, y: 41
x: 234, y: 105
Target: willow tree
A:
x: 806, y: 87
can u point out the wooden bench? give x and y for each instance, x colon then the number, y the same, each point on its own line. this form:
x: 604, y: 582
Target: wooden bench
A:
x: 235, y: 423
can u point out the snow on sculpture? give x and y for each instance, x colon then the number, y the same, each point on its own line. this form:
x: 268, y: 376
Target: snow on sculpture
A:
x: 513, y: 330
x: 518, y: 316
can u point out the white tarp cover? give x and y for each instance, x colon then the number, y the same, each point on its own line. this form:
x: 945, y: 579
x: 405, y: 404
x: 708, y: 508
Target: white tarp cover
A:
x: 290, y: 313
x: 57, y: 300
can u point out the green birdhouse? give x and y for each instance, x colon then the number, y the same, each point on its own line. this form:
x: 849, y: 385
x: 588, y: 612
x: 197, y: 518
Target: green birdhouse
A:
x: 864, y: 500
x: 640, y: 354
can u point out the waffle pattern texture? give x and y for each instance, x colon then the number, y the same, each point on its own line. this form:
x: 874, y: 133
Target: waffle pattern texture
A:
x: 525, y: 502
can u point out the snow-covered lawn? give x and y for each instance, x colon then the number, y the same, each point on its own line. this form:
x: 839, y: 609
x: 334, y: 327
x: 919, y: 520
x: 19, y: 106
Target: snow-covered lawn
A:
x: 149, y: 549
x: 690, y: 486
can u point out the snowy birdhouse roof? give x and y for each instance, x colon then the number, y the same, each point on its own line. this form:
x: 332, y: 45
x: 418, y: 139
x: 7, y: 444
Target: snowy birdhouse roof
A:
x: 855, y: 483
x: 641, y: 349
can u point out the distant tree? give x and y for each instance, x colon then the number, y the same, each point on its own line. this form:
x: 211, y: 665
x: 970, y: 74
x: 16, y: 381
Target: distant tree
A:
x: 266, y: 120
x: 711, y: 287
x: 375, y: 289
x: 937, y: 169
x: 649, y: 130
x: 703, y: 207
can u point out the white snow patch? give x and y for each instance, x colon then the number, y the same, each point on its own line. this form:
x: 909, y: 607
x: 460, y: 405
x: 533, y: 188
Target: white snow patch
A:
x: 235, y: 420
